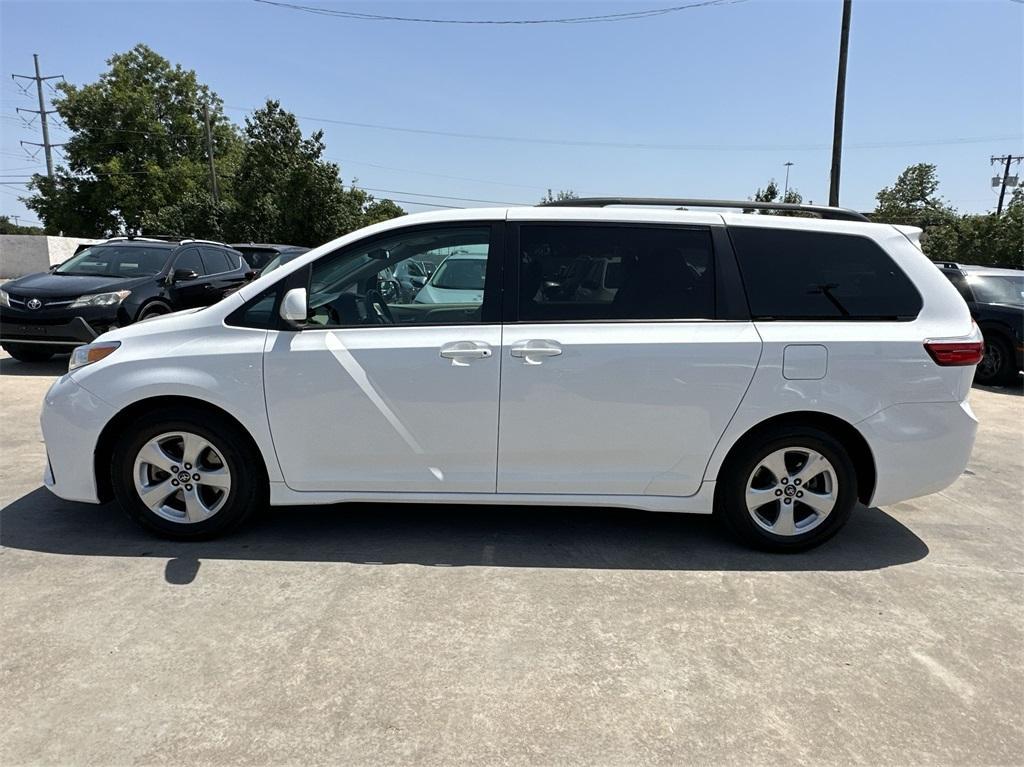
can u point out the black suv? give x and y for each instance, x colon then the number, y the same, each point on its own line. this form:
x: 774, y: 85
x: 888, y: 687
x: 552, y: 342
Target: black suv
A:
x: 259, y: 254
x: 996, y: 300
x: 109, y: 285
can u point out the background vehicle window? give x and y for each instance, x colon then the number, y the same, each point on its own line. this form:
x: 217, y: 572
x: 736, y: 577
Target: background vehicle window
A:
x: 577, y: 273
x: 819, y: 275
x: 215, y: 261
x: 998, y: 288
x: 117, y: 261
x: 960, y: 283
x: 189, y: 259
x: 374, y: 284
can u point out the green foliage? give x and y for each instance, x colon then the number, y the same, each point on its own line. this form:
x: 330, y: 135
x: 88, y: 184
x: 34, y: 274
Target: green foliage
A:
x: 912, y: 199
x: 984, y: 239
x: 563, y: 194
x: 137, y: 162
x: 138, y: 145
x: 9, y: 227
x: 772, y: 193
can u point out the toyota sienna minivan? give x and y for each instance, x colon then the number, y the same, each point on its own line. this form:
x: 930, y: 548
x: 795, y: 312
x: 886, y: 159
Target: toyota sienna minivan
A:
x: 773, y: 370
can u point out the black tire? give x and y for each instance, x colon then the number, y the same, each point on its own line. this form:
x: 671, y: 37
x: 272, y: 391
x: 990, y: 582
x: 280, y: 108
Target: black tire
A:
x: 731, y: 505
x: 27, y: 353
x: 153, y: 310
x: 248, y: 488
x: 998, y: 366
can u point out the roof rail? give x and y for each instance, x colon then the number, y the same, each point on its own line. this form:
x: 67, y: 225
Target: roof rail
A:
x: 205, y: 242
x: 822, y: 211
x: 143, y: 238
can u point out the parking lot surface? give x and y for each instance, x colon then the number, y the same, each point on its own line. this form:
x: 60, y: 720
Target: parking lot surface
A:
x: 386, y: 634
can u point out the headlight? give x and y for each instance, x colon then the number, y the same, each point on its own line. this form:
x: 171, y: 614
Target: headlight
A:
x: 5, y: 300
x: 90, y: 353
x: 101, y: 299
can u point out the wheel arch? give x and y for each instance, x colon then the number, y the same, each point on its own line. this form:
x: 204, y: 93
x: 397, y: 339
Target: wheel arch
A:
x: 844, y: 431
x: 103, y: 454
x: 149, y: 303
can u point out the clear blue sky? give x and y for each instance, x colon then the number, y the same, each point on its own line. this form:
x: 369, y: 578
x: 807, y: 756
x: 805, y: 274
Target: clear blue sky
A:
x: 743, y: 87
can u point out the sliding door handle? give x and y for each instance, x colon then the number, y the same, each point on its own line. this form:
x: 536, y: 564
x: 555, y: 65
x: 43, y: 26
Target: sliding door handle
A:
x: 533, y: 351
x: 460, y: 352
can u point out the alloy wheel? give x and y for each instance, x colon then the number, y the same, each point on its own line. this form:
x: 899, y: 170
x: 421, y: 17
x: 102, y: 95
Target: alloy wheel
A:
x: 182, y: 477
x: 791, y: 491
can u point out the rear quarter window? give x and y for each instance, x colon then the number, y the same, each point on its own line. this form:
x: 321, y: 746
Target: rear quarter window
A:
x: 803, y: 275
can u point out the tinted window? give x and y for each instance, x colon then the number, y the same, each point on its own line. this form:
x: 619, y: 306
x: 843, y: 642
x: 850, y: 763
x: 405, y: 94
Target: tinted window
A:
x: 364, y: 284
x: 189, y: 259
x: 576, y: 273
x: 998, y: 288
x: 819, y: 275
x: 216, y: 261
x: 117, y: 261
x: 960, y: 283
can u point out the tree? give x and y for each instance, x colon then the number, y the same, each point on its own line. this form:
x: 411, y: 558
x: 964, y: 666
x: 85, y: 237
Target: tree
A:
x: 285, y: 191
x: 771, y: 193
x: 9, y: 227
x: 563, y: 194
x: 912, y: 199
x: 137, y: 149
x: 987, y: 239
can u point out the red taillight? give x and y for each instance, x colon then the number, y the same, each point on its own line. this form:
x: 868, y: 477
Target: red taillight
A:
x: 955, y: 353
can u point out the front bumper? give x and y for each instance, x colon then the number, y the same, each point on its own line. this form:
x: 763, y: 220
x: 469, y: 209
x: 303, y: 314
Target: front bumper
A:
x: 919, y: 448
x: 58, y: 332
x: 72, y: 420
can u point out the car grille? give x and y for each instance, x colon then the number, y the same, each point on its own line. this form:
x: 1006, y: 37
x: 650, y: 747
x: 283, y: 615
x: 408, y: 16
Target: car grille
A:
x: 21, y: 302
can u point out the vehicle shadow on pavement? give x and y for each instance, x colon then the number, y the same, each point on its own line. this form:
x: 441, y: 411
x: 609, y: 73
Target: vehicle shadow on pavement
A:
x: 1014, y: 389
x: 453, y: 536
x: 56, y: 366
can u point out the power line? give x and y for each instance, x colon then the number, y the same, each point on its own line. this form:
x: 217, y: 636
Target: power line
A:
x: 602, y: 18
x: 639, y: 145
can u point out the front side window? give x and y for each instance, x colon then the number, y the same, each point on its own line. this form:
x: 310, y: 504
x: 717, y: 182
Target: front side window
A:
x: 190, y: 261
x: 116, y: 261
x: 585, y: 272
x: 791, y: 274
x: 383, y: 283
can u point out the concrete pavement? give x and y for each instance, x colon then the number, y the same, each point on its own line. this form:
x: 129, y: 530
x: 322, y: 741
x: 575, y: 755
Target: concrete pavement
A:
x: 386, y: 635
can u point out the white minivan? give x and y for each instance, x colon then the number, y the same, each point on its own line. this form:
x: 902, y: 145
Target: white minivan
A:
x: 774, y: 370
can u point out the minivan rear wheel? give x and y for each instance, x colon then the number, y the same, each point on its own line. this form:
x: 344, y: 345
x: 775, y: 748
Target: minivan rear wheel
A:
x: 187, y: 476
x: 789, y: 490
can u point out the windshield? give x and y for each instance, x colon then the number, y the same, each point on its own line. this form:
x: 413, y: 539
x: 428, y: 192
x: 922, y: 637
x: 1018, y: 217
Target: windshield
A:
x: 460, y: 274
x: 116, y: 261
x: 275, y: 262
x: 998, y: 288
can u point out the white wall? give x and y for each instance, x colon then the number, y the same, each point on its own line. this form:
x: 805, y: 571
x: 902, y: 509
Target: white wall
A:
x: 22, y: 254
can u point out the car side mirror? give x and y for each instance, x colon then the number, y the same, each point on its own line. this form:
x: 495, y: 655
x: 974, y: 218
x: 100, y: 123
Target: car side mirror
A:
x: 294, y: 307
x: 184, y: 275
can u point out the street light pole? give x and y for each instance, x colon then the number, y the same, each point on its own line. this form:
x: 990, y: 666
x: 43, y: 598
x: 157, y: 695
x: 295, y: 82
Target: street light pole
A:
x: 785, y: 191
x: 837, y: 133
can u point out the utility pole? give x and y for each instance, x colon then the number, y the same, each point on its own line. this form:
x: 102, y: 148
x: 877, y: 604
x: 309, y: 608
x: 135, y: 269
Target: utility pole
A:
x: 785, y: 190
x: 837, y: 133
x: 209, y: 154
x: 42, y: 112
x: 1007, y: 159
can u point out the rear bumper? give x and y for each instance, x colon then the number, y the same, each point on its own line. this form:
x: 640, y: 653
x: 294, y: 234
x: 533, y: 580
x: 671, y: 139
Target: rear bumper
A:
x: 72, y: 420
x: 67, y: 333
x: 918, y: 448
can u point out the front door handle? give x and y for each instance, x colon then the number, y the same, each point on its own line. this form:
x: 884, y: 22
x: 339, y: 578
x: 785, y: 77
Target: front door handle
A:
x: 534, y: 350
x: 460, y: 352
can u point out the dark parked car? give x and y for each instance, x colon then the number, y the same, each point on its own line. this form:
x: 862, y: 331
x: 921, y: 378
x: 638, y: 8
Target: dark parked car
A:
x: 996, y: 300
x: 259, y: 254
x: 109, y: 285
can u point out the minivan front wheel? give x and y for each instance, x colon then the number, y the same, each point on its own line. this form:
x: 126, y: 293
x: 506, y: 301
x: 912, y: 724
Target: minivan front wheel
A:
x: 186, y: 476
x: 789, y: 491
